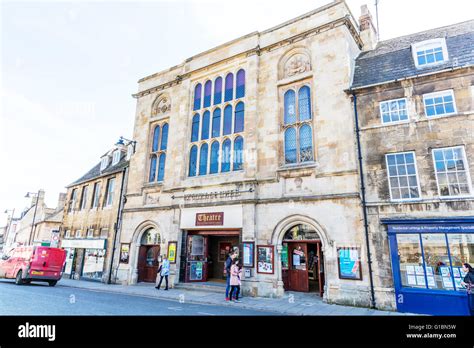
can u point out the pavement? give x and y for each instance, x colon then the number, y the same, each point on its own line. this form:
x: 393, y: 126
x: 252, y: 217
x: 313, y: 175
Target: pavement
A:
x: 292, y: 303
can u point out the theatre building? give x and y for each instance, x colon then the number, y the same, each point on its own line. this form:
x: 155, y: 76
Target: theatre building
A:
x: 251, y: 145
x: 417, y: 137
x: 91, y: 215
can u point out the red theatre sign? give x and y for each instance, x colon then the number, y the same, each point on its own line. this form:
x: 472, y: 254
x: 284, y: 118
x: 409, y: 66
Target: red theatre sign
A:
x: 209, y: 219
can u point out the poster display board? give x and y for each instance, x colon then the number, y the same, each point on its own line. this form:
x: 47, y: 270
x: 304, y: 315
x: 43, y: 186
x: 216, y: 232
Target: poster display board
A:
x: 248, y: 254
x: 349, y: 263
x: 265, y: 258
x: 124, y: 252
x: 172, y: 247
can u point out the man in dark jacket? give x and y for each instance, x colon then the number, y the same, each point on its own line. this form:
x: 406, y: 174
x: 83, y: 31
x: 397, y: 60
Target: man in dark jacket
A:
x: 228, y: 265
x: 468, y: 282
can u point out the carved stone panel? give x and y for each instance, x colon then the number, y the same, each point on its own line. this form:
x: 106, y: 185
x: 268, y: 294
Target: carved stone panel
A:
x: 297, y: 64
x: 161, y: 105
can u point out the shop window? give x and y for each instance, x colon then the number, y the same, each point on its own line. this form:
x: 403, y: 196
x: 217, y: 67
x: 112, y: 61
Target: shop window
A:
x: 218, y: 91
x: 438, y: 267
x: 298, y: 131
x: 402, y: 176
x: 205, y: 125
x: 412, y: 273
x: 93, y: 267
x: 461, y: 250
x: 452, y: 172
x: 394, y: 110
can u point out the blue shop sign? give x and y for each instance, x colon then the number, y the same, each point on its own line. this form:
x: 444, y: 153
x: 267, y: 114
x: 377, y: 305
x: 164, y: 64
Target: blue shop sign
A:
x: 427, y: 257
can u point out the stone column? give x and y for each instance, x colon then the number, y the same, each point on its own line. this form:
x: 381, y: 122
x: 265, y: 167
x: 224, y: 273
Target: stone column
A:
x: 280, y: 289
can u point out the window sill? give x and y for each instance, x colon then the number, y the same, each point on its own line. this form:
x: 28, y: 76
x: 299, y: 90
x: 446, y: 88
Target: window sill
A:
x: 296, y: 170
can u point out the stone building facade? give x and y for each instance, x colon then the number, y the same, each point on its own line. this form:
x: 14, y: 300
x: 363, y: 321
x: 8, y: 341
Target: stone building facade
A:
x: 37, y: 223
x: 91, y: 216
x: 258, y: 148
x: 415, y: 106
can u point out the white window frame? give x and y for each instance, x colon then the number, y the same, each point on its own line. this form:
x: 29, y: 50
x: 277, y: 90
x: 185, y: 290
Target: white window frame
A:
x: 426, y: 45
x: 440, y: 94
x: 78, y: 234
x: 110, y: 192
x: 90, y: 233
x: 416, y: 173
x: 130, y: 151
x: 67, y: 234
x: 466, y: 165
x: 104, y: 163
x: 388, y: 102
x: 116, y: 157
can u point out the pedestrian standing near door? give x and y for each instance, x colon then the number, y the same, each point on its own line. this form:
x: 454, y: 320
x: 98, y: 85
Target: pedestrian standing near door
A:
x: 164, y: 272
x: 468, y: 282
x: 235, y: 275
x: 227, y: 267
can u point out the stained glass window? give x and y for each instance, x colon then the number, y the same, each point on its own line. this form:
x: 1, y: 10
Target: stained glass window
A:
x: 306, y: 143
x: 290, y: 146
x: 290, y: 107
x: 304, y: 103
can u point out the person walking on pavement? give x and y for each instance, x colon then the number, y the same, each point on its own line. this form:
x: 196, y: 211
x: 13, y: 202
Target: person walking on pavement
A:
x: 164, y: 272
x: 235, y: 275
x: 468, y: 282
x: 227, y: 267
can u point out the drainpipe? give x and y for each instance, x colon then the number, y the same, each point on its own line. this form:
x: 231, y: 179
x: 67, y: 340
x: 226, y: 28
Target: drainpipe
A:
x: 117, y: 226
x: 364, y: 204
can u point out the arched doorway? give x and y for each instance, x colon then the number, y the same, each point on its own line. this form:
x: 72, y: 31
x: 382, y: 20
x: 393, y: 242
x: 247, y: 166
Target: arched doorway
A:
x: 302, y: 260
x: 148, y: 256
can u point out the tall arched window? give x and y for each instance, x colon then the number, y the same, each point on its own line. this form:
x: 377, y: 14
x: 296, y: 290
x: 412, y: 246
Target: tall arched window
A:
x: 218, y: 91
x: 207, y: 94
x: 203, y: 159
x: 205, y: 125
x: 238, y: 153
x: 216, y: 123
x: 197, y: 96
x: 304, y: 103
x: 290, y: 146
x: 225, y: 164
x: 152, y: 175
x: 227, y: 120
x: 229, y: 87
x: 156, y: 139
x: 290, y: 107
x: 195, y: 128
x: 239, y: 118
x: 214, y: 168
x: 158, y: 152
x: 306, y: 143
x: 240, y: 90
x: 298, y: 143
x: 164, y: 137
x: 161, y: 167
x: 193, y: 160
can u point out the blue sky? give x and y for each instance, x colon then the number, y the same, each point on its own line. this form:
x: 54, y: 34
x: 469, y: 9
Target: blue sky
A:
x: 68, y: 69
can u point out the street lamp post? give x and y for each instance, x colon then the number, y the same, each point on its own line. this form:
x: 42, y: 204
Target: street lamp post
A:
x: 7, y: 232
x: 28, y: 195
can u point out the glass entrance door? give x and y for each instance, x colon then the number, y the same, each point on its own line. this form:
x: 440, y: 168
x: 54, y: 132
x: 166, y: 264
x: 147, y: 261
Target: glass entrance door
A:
x: 298, y: 267
x: 196, y: 260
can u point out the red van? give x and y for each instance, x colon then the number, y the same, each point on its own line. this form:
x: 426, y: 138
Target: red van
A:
x: 33, y: 263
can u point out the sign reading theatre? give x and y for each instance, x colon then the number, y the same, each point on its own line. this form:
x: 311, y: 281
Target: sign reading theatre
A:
x: 210, y: 219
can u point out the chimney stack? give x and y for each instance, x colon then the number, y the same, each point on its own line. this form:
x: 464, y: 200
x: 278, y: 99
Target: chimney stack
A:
x: 368, y: 33
x: 61, y: 201
x: 38, y: 198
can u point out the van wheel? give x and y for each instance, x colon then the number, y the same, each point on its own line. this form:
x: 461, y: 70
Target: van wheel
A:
x: 52, y: 282
x: 18, y: 279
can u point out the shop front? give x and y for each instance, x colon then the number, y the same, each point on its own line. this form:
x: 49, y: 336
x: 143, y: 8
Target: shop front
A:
x: 427, y: 257
x: 209, y: 234
x: 85, y: 258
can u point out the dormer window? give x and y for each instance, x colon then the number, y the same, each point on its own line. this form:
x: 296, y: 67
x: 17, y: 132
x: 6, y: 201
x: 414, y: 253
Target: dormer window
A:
x: 104, y: 163
x: 116, y: 157
x: 129, y: 151
x: 430, y: 52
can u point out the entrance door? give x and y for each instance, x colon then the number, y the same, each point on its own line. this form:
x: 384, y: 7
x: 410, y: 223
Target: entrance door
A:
x: 148, y: 263
x: 298, y: 270
x: 320, y: 269
x: 196, y: 263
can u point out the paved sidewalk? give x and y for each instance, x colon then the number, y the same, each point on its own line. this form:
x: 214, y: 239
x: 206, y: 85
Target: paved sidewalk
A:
x: 293, y: 303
